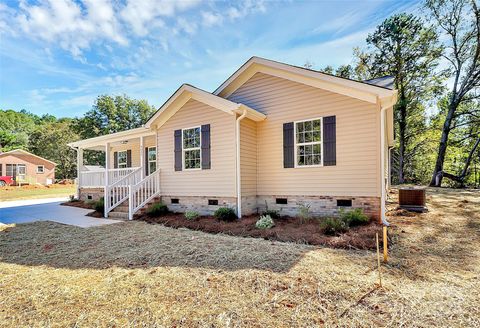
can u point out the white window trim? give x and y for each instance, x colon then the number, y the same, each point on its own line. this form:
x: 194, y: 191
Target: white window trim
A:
x: 199, y: 148
x: 43, y: 169
x: 151, y: 161
x: 24, y: 175
x: 307, y: 143
x: 118, y: 159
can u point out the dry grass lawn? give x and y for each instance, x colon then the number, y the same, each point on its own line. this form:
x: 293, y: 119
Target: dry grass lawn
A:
x: 36, y: 191
x: 136, y: 274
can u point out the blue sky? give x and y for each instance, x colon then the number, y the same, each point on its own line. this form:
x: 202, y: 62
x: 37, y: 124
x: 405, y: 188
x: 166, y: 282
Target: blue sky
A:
x: 56, y: 56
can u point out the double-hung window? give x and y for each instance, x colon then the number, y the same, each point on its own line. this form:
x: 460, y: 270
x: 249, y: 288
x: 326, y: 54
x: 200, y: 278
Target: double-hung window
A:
x: 40, y: 169
x: 122, y: 159
x: 152, y: 159
x: 191, y: 141
x: 308, y: 143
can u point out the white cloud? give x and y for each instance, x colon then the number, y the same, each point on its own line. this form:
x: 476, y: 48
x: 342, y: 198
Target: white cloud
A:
x: 188, y: 27
x: 64, y: 22
x: 210, y: 19
x: 144, y: 15
x: 245, y: 8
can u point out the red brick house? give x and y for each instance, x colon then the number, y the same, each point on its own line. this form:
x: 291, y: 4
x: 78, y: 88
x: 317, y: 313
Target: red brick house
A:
x: 26, y: 167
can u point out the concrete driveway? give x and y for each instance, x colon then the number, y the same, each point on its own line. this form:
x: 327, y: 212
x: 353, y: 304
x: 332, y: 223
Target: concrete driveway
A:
x: 23, y: 211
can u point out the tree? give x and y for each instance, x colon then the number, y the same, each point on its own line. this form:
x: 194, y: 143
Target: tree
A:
x: 459, y: 21
x: 15, y: 128
x: 50, y: 141
x: 404, y: 47
x: 113, y: 114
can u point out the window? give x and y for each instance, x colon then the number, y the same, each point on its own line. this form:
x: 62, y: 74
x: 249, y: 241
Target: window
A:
x: 40, y: 169
x: 122, y: 159
x: 191, y: 148
x: 308, y: 143
x: 213, y: 202
x: 10, y: 170
x: 152, y: 159
x: 174, y: 201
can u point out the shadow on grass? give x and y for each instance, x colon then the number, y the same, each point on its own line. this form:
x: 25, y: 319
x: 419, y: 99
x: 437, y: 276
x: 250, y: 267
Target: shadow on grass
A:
x: 141, y: 245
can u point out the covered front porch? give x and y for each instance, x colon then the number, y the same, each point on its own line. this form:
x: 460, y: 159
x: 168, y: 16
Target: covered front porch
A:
x: 129, y: 172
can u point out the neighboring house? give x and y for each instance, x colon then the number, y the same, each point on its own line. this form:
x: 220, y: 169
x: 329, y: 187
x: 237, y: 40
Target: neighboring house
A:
x: 271, y: 135
x: 26, y: 167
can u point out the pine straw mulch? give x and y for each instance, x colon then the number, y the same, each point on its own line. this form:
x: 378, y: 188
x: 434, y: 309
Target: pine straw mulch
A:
x: 139, y: 274
x: 79, y: 204
x: 286, y: 229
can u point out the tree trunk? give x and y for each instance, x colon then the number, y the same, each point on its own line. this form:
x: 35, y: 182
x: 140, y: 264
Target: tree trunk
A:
x: 461, y: 177
x: 402, y: 124
x: 442, y: 147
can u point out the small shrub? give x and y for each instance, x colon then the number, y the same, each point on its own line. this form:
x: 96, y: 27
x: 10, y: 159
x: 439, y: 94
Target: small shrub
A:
x: 333, y: 226
x: 304, y: 212
x: 99, y: 206
x: 72, y: 199
x: 157, y: 209
x: 191, y: 215
x: 354, y: 218
x: 265, y: 222
x: 274, y: 214
x: 225, y: 214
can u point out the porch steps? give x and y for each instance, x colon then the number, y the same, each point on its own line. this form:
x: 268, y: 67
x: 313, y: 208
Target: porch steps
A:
x: 121, y: 211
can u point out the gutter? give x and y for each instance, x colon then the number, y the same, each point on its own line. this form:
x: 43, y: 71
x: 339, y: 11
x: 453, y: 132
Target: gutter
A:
x: 237, y: 162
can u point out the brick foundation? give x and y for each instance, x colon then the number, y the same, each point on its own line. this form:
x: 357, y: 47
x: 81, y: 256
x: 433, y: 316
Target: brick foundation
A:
x: 198, y: 203
x: 249, y: 205
x: 92, y: 194
x: 320, y: 205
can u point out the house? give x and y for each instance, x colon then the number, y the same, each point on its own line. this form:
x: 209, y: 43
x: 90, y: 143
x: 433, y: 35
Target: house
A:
x: 272, y: 135
x: 26, y: 167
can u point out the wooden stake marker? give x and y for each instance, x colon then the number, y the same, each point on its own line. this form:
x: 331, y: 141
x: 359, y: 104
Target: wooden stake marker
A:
x: 385, y: 245
x: 378, y: 260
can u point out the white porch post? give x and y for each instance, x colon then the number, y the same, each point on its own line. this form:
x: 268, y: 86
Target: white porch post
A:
x: 142, y: 160
x: 106, y: 199
x: 79, y: 170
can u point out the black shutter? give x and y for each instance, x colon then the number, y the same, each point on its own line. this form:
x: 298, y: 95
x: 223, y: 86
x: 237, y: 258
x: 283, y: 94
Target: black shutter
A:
x: 129, y: 158
x: 205, y: 146
x: 146, y: 161
x: 329, y: 141
x: 288, y: 146
x: 178, y: 149
x: 1, y: 169
x: 115, y: 160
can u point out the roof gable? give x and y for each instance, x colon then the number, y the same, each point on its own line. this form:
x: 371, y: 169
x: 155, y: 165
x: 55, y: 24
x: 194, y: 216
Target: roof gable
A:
x: 356, y: 89
x: 24, y: 152
x: 187, y: 92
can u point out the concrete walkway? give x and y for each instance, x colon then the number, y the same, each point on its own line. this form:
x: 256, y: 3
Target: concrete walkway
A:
x: 23, y: 211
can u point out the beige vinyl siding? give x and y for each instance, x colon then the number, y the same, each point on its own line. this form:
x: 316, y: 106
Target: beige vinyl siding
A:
x: 248, y: 155
x: 358, y: 139
x: 217, y: 181
x: 134, y: 146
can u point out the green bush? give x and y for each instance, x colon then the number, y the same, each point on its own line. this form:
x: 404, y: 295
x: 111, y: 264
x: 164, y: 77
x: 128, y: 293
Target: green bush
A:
x: 225, y: 214
x: 191, y: 215
x: 99, y: 206
x: 157, y: 209
x: 274, y: 214
x: 333, y: 226
x: 265, y: 222
x: 304, y: 212
x: 354, y: 217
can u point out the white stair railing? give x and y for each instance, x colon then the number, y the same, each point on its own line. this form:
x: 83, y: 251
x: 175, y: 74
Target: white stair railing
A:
x: 117, y: 192
x: 142, y: 192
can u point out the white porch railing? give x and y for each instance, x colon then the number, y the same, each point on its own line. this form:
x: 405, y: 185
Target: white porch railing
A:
x: 117, y: 192
x: 96, y: 179
x: 142, y: 192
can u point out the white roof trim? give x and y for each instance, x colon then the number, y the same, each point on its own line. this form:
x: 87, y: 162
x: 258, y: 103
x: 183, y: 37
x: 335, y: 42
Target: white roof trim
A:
x: 12, y: 152
x: 187, y: 92
x: 356, y: 89
x: 112, y: 137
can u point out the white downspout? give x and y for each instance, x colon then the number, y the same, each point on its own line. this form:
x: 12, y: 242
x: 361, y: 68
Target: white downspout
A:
x: 382, y: 167
x: 237, y: 162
